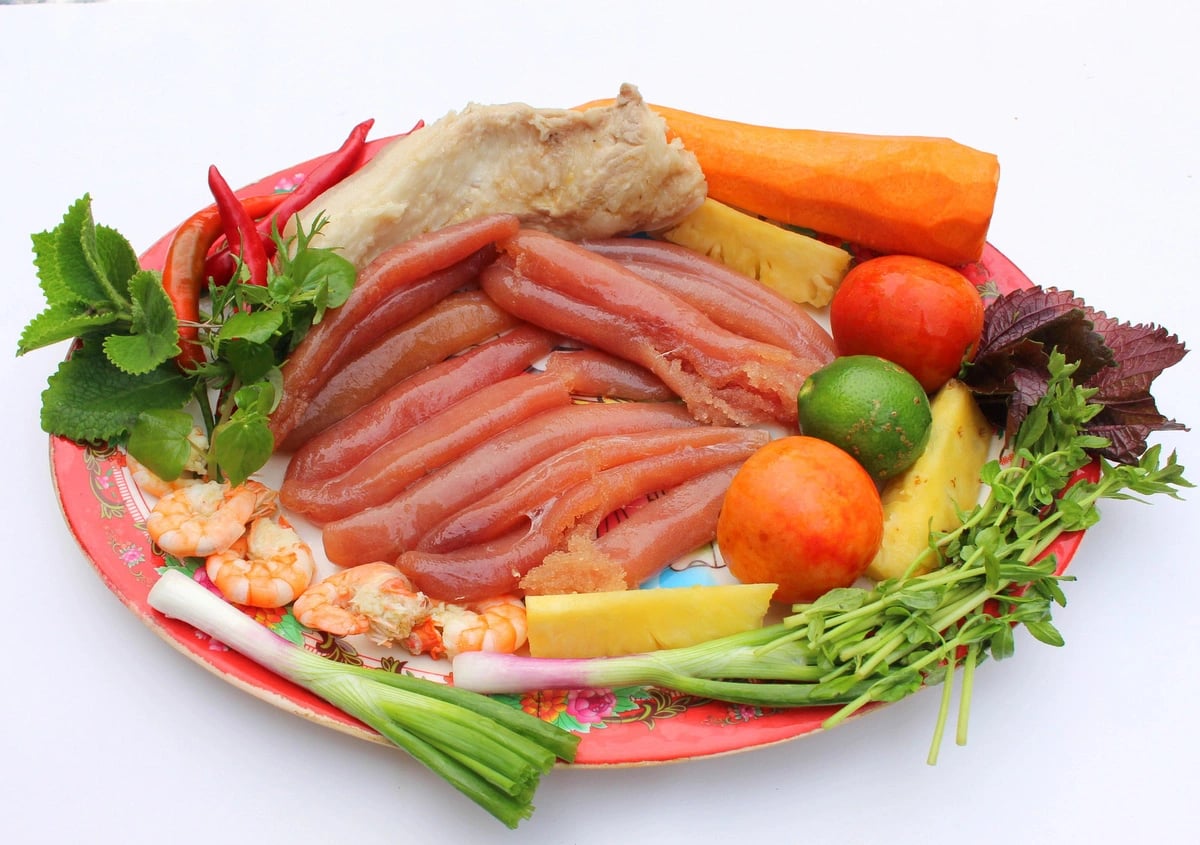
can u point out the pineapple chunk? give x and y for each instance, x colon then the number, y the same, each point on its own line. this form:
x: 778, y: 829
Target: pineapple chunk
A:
x: 929, y: 495
x: 609, y: 624
x: 801, y: 268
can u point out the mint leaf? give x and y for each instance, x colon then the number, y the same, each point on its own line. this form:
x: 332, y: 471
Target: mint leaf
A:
x: 154, y: 337
x: 91, y: 255
x: 50, y: 277
x: 153, y: 313
x: 115, y: 256
x: 62, y: 322
x: 159, y: 440
x: 83, y: 270
x: 76, y: 268
x: 121, y: 382
x: 88, y: 399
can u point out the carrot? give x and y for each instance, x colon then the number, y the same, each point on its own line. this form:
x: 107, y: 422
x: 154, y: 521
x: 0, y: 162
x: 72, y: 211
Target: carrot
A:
x: 931, y: 197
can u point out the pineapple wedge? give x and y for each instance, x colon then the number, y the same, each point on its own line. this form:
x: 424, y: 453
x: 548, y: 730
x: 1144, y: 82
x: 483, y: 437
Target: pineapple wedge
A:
x: 610, y: 624
x: 929, y: 495
x: 801, y: 268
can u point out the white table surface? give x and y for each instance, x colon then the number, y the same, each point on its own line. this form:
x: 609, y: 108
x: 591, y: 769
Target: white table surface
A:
x: 107, y: 734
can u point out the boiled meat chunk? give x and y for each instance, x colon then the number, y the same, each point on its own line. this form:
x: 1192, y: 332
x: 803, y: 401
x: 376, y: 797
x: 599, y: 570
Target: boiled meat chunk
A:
x: 577, y: 174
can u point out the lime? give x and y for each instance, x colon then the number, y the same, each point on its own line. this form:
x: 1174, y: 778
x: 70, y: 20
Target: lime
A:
x: 870, y: 407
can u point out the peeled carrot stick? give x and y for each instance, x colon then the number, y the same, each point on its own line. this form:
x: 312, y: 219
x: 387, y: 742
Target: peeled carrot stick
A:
x: 924, y: 196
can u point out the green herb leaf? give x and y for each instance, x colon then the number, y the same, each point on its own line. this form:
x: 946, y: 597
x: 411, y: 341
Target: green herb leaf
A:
x: 154, y: 333
x: 241, y: 446
x: 115, y: 256
x: 88, y: 399
x: 251, y: 362
x: 158, y: 439
x: 75, y: 275
x: 121, y: 381
x: 919, y: 599
x: 322, y: 277
x: 255, y: 326
x: 75, y: 263
x: 1002, y: 645
x: 64, y: 321
x: 1045, y: 632
x: 107, y: 259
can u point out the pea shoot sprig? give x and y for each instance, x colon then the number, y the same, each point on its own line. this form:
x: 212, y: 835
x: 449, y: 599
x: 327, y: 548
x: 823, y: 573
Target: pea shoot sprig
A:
x: 856, y: 646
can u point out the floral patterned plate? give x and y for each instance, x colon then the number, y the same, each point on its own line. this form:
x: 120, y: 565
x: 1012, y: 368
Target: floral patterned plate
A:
x: 106, y: 513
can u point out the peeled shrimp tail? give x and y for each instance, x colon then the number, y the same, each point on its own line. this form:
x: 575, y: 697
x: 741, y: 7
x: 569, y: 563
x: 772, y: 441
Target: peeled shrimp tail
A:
x: 198, y: 520
x: 268, y: 568
x: 497, y: 624
x: 374, y: 599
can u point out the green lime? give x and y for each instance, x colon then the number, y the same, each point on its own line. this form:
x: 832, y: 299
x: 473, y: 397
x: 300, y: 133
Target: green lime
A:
x: 874, y: 409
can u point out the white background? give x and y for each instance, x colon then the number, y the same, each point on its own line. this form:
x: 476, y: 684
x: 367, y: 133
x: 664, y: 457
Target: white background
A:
x: 107, y: 734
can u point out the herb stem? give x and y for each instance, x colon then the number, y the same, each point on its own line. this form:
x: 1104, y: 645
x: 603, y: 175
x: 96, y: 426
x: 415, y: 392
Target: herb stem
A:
x: 968, y: 685
x: 939, y: 727
x: 879, y: 653
x: 973, y: 601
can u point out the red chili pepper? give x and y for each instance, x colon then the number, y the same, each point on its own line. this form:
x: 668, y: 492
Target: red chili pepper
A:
x: 239, y: 228
x: 334, y: 168
x: 183, y: 275
x: 220, y: 265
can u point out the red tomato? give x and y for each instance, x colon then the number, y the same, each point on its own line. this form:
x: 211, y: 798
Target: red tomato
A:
x: 922, y: 315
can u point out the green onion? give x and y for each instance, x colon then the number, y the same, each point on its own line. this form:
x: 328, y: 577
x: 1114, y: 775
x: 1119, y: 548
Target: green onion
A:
x: 492, y: 753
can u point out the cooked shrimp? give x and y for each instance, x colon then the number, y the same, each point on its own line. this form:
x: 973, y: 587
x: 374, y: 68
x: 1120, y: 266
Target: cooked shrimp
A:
x: 496, y: 624
x: 198, y: 520
x: 375, y: 599
x: 425, y: 639
x: 266, y: 567
x: 194, y: 469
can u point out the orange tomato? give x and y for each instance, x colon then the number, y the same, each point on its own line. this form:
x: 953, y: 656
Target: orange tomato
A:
x: 803, y: 514
x: 926, y: 317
